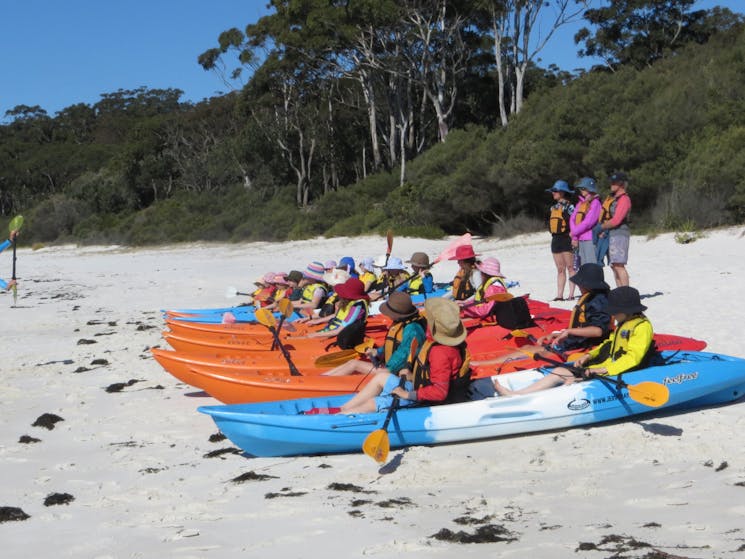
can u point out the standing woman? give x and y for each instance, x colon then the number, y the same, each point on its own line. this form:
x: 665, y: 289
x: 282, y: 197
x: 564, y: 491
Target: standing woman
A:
x: 585, y: 217
x: 561, y: 242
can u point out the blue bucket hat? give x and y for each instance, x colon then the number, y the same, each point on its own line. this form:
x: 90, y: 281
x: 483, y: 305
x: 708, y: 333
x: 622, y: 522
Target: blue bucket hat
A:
x: 560, y: 186
x: 587, y: 183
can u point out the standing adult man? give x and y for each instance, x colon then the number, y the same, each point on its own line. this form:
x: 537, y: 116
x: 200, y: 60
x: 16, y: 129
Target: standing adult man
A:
x: 614, y: 222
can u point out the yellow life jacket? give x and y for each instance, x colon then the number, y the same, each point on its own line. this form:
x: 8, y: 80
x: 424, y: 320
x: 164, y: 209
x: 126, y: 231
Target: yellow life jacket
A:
x: 458, y: 383
x: 616, y: 346
x: 367, y: 279
x: 309, y: 289
x: 479, y: 297
x: 462, y: 287
x: 343, y: 312
x: 558, y: 220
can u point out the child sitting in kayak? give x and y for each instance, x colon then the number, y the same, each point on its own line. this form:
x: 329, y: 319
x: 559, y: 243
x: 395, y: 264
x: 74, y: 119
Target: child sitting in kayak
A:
x: 314, y: 289
x: 407, y: 326
x: 438, y: 374
x: 348, y: 323
x: 492, y: 283
x: 627, y: 348
x: 588, y: 326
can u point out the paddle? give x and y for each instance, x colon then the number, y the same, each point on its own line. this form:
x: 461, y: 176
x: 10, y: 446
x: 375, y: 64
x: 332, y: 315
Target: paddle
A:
x: 232, y: 292
x: 15, y: 225
x: 648, y: 393
x: 340, y: 357
x: 377, y: 444
x: 265, y: 317
x: 285, y: 307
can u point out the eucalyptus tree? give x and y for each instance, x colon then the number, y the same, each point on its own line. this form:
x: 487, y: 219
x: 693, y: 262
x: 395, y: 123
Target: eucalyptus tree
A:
x: 640, y: 32
x: 520, y: 30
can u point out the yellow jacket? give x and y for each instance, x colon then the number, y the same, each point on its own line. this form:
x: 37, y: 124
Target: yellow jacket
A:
x: 626, y: 347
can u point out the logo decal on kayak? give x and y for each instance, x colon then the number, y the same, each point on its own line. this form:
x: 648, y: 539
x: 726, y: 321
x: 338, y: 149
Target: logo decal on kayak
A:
x: 577, y: 405
x: 681, y: 378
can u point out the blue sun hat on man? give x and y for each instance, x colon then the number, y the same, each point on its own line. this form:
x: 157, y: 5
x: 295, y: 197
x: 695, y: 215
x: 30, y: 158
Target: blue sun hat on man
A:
x: 560, y: 186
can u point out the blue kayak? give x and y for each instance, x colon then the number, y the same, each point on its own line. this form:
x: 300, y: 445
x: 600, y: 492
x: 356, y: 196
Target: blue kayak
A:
x: 247, y: 313
x: 280, y: 428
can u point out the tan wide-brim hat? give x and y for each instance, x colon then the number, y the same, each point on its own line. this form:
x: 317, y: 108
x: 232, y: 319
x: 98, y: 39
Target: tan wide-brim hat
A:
x: 443, y: 320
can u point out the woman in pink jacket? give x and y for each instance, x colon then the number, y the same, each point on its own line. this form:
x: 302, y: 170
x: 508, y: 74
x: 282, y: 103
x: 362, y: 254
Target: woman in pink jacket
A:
x: 585, y: 217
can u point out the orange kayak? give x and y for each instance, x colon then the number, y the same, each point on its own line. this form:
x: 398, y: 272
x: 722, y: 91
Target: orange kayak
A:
x: 236, y: 388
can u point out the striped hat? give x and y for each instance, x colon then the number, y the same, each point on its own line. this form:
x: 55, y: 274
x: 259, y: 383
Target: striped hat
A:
x: 314, y: 271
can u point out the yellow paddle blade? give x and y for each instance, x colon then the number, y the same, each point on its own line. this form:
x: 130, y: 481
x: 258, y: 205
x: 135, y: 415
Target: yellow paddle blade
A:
x: 265, y: 317
x: 336, y: 358
x: 377, y: 445
x: 285, y: 307
x: 16, y: 223
x: 652, y: 394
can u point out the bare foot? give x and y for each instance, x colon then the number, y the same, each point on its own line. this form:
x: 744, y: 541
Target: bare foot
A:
x: 501, y: 389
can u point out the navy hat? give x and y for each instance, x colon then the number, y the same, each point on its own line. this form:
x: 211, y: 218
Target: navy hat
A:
x: 619, y: 176
x: 624, y: 300
x: 590, y: 276
x: 587, y: 183
x: 560, y: 186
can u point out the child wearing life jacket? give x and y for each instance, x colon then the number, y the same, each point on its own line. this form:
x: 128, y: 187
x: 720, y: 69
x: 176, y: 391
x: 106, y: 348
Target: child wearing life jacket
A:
x: 628, y: 347
x: 561, y: 242
x: 439, y: 373
x: 392, y: 356
x: 421, y: 281
x: 468, y: 278
x: 492, y: 283
x: 314, y: 289
x: 348, y: 323
x: 367, y: 273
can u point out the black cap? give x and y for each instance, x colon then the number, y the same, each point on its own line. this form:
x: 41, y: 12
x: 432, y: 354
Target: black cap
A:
x: 619, y: 176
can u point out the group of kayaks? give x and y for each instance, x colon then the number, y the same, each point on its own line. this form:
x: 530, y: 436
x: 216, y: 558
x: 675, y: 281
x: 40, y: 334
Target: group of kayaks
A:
x: 268, y: 375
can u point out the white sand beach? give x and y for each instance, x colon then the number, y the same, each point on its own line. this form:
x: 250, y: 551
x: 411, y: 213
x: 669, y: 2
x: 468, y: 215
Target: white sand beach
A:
x: 132, y: 472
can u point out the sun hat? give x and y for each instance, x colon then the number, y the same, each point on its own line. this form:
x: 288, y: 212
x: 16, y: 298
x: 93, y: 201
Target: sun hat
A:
x: 624, y: 300
x: 295, y: 275
x: 560, y: 186
x: 266, y: 279
x: 619, y: 176
x: 379, y: 261
x: 490, y: 266
x: 367, y: 263
x: 587, y: 183
x: 352, y: 289
x: 394, y: 263
x: 590, y: 276
x: 346, y: 263
x: 329, y: 264
x: 280, y: 279
x: 336, y: 276
x: 314, y: 271
x: 443, y: 321
x: 463, y: 252
x: 420, y: 260
x: 399, y: 306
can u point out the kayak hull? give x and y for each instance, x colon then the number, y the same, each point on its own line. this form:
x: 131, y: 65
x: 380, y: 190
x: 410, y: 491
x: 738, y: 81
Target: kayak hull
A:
x: 280, y: 429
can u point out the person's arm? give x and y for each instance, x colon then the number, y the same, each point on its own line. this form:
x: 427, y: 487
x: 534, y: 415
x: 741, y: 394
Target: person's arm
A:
x: 623, y: 206
x: 428, y: 283
x: 443, y: 361
x: 5, y: 244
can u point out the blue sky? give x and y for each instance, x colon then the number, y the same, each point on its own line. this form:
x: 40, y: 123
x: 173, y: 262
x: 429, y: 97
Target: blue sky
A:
x: 55, y: 53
